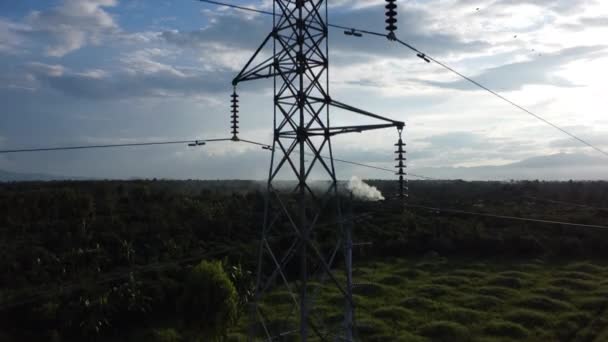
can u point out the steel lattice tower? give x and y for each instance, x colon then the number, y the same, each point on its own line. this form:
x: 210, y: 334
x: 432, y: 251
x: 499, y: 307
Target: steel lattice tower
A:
x: 299, y: 66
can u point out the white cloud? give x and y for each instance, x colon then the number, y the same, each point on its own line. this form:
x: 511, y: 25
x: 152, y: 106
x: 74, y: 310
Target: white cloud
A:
x: 10, y: 41
x: 177, y: 66
x: 71, y: 25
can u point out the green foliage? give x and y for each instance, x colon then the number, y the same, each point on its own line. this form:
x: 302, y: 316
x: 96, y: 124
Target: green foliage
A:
x: 463, y: 315
x: 506, y: 329
x: 243, y: 283
x: 506, y: 281
x: 497, y: 291
x: 544, y: 303
x: 209, y: 302
x: 432, y: 291
x: 574, y: 284
x: 445, y: 331
x: 61, y: 233
x: 393, y: 313
x: 166, y: 335
x: 528, y: 318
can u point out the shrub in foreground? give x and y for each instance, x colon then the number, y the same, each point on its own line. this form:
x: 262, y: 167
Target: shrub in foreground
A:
x: 209, y: 301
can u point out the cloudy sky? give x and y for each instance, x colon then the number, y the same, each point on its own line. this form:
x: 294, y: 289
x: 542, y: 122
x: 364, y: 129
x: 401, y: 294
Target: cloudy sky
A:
x: 112, y: 71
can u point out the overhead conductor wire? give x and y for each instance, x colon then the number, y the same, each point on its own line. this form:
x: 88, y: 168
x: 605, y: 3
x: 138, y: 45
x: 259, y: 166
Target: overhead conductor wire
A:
x: 429, y: 59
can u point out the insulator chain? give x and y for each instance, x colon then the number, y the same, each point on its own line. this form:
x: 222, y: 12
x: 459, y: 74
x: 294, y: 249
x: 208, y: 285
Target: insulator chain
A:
x: 235, y: 115
x: 401, y: 166
x: 391, y: 19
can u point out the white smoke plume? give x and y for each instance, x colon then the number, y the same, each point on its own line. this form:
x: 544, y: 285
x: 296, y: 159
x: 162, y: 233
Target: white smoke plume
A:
x: 363, y: 191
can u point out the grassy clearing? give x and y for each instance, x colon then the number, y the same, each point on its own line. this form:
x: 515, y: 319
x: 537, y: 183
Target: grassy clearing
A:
x: 435, y: 299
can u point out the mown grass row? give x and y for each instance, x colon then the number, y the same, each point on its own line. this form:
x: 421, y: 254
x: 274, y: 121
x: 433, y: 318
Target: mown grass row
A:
x: 437, y: 299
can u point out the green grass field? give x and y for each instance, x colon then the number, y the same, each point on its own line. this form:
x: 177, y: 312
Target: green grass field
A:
x: 438, y: 299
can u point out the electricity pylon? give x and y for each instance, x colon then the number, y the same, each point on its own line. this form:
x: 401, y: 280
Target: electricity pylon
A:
x: 298, y: 63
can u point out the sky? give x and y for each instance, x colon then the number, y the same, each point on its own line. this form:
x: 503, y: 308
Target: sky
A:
x: 76, y: 72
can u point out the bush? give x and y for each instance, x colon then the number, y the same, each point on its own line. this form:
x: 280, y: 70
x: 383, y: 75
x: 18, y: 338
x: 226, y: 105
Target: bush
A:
x: 394, y: 314
x: 528, y: 318
x: 512, y: 282
x: 370, y: 326
x: 553, y: 292
x: 574, y: 284
x: 451, y: 280
x: 463, y: 316
x: 594, y: 303
x: 585, y: 267
x: 506, y: 329
x: 544, y: 303
x: 420, y: 303
x: 433, y: 291
x: 481, y: 302
x: 209, y: 301
x: 497, y: 291
x: 445, y: 331
x: 166, y: 335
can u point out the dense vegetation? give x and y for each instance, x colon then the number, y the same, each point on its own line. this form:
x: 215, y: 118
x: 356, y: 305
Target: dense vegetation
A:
x: 462, y: 300
x: 116, y: 260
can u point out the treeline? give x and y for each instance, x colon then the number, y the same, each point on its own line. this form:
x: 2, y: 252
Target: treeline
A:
x: 104, y: 260
x: 417, y: 231
x: 68, y: 249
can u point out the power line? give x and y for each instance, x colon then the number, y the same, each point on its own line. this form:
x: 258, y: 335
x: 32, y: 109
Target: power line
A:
x: 237, y: 7
x: 197, y: 142
x: 82, y: 147
x: 268, y: 147
x: 567, y: 203
x: 506, y: 217
x: 428, y: 58
x: 520, y: 107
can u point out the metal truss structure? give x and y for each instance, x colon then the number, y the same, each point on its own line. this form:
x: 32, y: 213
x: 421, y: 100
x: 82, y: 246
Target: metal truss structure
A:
x: 298, y: 64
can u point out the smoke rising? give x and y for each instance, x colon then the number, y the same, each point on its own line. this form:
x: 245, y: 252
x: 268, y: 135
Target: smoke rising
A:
x: 363, y: 191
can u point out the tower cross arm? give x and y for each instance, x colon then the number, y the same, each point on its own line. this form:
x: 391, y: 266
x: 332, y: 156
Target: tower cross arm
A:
x: 337, y: 104
x: 252, y: 71
x: 335, y: 130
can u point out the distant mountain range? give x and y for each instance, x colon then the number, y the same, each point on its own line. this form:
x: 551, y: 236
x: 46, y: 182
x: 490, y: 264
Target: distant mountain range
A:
x: 561, y: 166
x: 7, y: 176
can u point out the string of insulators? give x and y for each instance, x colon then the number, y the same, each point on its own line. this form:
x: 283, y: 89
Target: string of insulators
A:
x: 391, y: 15
x: 235, y: 115
x: 401, y: 166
